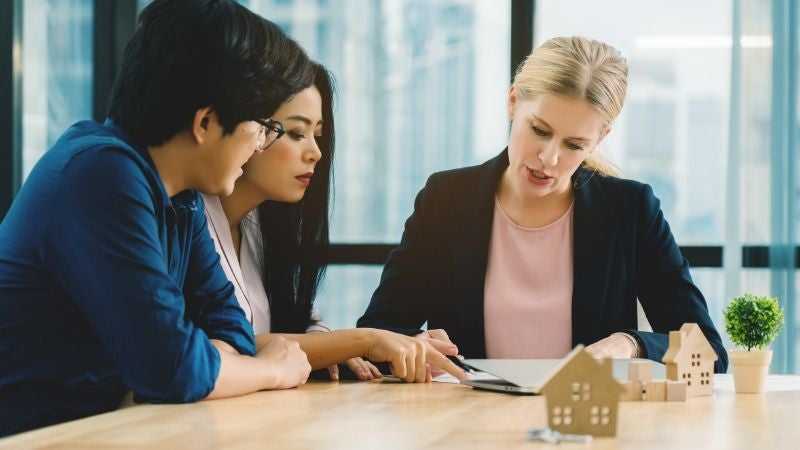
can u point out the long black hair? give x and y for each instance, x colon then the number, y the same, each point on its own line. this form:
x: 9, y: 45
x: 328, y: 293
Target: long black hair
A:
x: 190, y: 54
x: 295, y: 235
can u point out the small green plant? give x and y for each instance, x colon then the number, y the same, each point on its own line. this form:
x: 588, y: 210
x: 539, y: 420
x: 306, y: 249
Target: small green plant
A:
x: 752, y: 321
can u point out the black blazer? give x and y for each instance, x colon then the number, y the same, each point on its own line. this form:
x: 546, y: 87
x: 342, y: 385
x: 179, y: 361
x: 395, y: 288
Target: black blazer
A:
x: 623, y: 250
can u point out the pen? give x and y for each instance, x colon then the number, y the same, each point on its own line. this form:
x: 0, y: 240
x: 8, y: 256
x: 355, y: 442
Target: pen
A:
x: 459, y: 361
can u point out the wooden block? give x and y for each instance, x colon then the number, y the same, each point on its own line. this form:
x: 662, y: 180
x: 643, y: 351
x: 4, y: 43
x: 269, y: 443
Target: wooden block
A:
x: 640, y: 371
x: 676, y: 391
x: 632, y: 392
x: 673, y: 372
x: 655, y: 391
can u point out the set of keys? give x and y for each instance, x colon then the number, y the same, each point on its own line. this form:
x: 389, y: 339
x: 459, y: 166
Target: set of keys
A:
x: 554, y: 437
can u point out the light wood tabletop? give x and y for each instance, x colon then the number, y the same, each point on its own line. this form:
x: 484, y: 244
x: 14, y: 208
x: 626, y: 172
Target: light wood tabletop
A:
x: 374, y: 415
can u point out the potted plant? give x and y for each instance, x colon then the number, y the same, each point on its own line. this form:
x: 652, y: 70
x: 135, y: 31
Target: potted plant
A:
x: 752, y: 322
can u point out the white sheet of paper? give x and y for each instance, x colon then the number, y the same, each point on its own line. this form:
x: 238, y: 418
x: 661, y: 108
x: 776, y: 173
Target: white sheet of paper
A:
x: 447, y: 378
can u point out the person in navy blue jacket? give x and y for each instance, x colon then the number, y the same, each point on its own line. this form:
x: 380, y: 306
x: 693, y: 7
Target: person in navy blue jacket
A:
x: 542, y: 248
x: 109, y: 281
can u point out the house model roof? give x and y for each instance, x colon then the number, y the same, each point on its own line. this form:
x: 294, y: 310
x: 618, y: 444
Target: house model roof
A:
x: 599, y: 369
x: 688, y: 339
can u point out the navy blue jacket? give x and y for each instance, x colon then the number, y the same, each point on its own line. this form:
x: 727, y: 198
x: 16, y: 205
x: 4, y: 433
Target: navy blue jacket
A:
x: 623, y: 250
x: 107, y: 284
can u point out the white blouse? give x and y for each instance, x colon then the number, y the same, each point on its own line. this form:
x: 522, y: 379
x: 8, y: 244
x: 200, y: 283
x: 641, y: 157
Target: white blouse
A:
x: 245, y: 271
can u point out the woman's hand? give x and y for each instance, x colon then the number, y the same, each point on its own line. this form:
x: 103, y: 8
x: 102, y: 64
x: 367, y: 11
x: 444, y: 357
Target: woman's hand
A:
x: 412, y: 358
x: 363, y: 369
x: 618, y: 345
x: 439, y: 340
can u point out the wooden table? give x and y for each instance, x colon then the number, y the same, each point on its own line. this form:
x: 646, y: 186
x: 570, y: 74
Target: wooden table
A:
x: 376, y: 415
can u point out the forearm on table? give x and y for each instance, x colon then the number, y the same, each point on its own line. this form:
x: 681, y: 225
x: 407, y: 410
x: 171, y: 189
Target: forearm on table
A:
x: 326, y: 349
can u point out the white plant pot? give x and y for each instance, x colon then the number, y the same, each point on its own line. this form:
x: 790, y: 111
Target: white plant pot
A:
x: 750, y: 370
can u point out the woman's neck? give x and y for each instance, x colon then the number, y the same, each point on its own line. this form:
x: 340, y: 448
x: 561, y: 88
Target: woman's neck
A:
x: 532, y: 212
x: 244, y: 198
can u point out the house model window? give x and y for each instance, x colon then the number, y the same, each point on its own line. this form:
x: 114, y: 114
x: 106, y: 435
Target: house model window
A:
x: 599, y: 415
x: 581, y: 392
x: 562, y: 416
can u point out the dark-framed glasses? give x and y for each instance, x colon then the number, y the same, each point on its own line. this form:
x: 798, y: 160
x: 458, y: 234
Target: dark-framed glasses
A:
x: 271, y: 130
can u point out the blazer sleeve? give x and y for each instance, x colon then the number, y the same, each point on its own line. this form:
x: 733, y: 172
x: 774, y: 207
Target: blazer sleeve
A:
x: 665, y: 288
x: 408, y: 281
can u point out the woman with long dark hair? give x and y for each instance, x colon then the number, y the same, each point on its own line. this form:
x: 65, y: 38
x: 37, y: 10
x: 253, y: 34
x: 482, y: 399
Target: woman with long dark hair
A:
x: 272, y: 237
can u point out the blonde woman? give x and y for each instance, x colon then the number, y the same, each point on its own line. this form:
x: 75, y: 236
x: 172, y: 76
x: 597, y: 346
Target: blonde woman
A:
x: 542, y: 247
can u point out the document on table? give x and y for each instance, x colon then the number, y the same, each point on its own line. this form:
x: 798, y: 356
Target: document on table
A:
x: 475, y: 376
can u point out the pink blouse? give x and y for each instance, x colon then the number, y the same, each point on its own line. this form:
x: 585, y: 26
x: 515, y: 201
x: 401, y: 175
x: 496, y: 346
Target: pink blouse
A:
x: 528, y: 290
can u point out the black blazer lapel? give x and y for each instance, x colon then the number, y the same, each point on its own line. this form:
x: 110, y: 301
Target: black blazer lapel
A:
x: 591, y: 264
x: 471, y: 258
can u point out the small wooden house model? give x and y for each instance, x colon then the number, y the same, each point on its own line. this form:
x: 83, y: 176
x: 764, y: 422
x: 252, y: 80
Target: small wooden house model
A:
x: 582, y: 396
x: 690, y: 358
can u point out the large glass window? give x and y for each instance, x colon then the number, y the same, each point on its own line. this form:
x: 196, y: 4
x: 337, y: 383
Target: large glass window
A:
x: 421, y: 87
x: 57, y: 72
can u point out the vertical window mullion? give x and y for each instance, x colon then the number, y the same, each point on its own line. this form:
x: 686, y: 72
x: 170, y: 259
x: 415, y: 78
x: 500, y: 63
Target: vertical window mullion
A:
x: 10, y: 101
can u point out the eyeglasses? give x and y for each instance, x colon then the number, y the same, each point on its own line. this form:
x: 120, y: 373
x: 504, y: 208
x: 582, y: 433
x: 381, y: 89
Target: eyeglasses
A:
x: 271, y: 131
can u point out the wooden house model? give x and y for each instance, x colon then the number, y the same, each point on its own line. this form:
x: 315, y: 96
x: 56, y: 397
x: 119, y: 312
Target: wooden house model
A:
x: 582, y: 396
x: 691, y: 358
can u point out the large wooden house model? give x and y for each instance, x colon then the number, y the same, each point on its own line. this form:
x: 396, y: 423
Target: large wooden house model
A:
x: 582, y: 396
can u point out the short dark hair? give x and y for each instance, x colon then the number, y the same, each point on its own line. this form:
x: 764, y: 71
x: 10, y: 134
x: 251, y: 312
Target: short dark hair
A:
x: 295, y: 235
x: 190, y: 54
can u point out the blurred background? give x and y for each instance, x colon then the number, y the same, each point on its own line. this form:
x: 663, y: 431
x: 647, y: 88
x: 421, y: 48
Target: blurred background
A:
x: 711, y: 119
